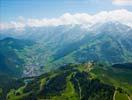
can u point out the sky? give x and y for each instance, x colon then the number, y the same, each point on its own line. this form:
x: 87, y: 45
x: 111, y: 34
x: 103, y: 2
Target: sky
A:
x: 19, y: 14
x: 13, y: 9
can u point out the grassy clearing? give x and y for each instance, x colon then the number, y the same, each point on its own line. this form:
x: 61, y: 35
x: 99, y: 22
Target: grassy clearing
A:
x: 69, y: 93
x: 121, y: 96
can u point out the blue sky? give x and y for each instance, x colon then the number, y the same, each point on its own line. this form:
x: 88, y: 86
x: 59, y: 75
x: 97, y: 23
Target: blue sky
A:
x: 12, y: 9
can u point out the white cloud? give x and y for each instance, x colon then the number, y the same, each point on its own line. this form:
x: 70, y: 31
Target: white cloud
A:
x: 122, y: 2
x: 121, y: 15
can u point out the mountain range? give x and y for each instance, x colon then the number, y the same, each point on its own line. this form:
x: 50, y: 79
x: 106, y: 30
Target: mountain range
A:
x: 36, y: 50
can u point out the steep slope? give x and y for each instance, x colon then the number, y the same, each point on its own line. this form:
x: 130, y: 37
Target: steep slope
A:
x: 118, y: 75
x: 10, y: 63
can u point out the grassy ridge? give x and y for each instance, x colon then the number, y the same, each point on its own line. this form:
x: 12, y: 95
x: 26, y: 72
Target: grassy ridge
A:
x: 70, y: 82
